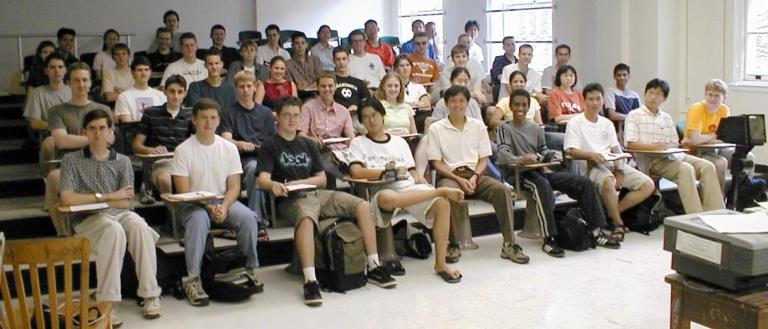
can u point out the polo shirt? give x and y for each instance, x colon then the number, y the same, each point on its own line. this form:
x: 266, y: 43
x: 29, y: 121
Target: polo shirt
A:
x: 162, y: 129
x: 457, y: 148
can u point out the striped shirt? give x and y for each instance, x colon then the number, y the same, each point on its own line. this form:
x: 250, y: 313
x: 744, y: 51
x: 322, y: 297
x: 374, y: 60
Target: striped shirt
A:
x: 163, y: 129
x: 643, y: 126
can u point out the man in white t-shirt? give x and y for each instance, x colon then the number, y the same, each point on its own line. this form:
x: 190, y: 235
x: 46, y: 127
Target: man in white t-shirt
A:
x: 562, y: 56
x: 130, y: 105
x: 189, y: 66
x: 364, y: 66
x: 273, y: 47
x: 210, y: 163
x: 533, y: 78
x: 472, y: 28
x: 592, y: 137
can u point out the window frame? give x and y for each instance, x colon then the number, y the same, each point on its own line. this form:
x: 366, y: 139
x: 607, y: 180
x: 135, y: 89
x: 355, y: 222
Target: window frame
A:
x: 739, y: 17
x: 532, y: 5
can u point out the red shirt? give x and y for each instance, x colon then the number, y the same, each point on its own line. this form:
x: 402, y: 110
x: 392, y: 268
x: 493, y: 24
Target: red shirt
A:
x: 275, y: 92
x: 384, y: 51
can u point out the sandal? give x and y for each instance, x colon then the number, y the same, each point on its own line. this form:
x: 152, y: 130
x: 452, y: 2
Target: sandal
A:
x: 618, y: 232
x: 448, y: 278
x: 263, y: 235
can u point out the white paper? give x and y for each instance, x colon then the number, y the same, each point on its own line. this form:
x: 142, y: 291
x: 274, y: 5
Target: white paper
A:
x: 763, y: 204
x: 738, y: 223
x: 335, y: 140
x: 705, y: 249
x: 299, y: 187
x: 193, y: 195
x: 612, y: 156
x: 87, y: 207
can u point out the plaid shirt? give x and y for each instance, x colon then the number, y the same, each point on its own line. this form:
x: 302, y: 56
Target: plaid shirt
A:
x: 643, y: 126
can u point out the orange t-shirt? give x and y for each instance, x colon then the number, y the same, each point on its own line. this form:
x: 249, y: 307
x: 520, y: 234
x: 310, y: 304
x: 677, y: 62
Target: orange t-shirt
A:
x: 701, y: 120
x: 385, y: 52
x: 424, y: 70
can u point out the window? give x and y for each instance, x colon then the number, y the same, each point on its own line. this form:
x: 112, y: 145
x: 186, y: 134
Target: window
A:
x: 425, y: 10
x: 529, y: 21
x: 756, y: 50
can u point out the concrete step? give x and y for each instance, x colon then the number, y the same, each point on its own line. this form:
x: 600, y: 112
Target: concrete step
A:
x: 12, y: 152
x: 20, y: 180
x: 13, y: 128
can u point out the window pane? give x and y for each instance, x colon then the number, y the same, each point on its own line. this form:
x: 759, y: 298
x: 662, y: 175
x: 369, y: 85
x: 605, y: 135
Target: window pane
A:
x: 542, y: 56
x: 412, y: 7
x: 507, y: 4
x: 757, y: 16
x: 524, y: 25
x: 405, y: 25
x: 757, y: 54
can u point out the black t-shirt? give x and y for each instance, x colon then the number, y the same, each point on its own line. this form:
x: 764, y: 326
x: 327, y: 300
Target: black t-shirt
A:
x: 350, y: 91
x: 289, y: 160
x: 160, y: 62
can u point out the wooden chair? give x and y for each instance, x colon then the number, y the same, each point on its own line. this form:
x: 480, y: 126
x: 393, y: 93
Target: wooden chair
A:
x: 31, y: 254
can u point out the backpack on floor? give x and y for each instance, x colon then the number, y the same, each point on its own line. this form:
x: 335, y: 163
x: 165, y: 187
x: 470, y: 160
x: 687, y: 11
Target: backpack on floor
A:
x: 648, y: 215
x: 224, y: 275
x: 168, y: 278
x: 343, y: 254
x: 573, y: 231
x: 412, y: 239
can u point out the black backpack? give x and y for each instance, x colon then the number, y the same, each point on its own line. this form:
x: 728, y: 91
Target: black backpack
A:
x: 168, y: 278
x: 224, y: 276
x: 412, y: 239
x: 648, y: 215
x: 343, y: 254
x: 573, y: 231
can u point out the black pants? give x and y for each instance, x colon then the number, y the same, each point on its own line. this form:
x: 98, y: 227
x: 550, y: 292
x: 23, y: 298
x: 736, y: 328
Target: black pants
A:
x: 541, y: 185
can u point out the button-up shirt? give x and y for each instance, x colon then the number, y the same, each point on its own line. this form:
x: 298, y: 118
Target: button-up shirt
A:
x: 326, y: 122
x: 457, y: 148
x: 645, y: 127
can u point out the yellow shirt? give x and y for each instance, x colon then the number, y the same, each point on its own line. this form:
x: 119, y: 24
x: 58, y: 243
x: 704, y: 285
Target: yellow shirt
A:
x: 701, y: 120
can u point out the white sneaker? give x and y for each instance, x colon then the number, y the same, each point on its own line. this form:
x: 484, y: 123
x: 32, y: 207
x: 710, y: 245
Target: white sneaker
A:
x: 151, y: 308
x: 117, y: 322
x: 193, y: 288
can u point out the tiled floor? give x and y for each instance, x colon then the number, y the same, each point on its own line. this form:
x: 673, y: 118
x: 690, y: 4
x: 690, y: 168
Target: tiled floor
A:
x: 594, y: 289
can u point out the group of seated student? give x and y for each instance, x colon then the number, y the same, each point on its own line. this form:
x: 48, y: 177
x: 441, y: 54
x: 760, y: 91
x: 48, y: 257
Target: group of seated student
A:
x: 248, y: 126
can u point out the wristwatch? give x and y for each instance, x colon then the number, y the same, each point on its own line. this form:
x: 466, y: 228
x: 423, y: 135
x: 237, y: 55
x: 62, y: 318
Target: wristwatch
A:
x: 98, y: 196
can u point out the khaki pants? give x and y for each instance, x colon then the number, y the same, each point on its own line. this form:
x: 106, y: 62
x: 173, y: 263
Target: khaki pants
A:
x: 109, y: 236
x: 488, y: 190
x: 685, y: 173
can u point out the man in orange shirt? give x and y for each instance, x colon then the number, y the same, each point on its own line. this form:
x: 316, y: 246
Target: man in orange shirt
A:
x: 425, y: 70
x: 374, y: 46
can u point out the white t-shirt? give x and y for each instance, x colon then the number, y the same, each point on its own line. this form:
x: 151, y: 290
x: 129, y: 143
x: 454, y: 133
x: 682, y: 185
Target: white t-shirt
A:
x: 458, y: 148
x: 582, y: 134
x: 376, y: 155
x: 103, y: 61
x: 191, y: 72
x: 266, y: 54
x: 476, y: 52
x: 413, y: 92
x: 207, y: 166
x: 133, y: 102
x: 367, y: 68
x: 532, y: 84
x: 476, y: 73
x: 112, y: 79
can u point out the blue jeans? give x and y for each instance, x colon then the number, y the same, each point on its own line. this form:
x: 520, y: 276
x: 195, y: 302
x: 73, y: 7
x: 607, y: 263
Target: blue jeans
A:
x: 255, y: 196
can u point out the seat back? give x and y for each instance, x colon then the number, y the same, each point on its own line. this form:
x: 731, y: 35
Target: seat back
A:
x: 286, y: 35
x: 244, y: 36
x: 32, y: 254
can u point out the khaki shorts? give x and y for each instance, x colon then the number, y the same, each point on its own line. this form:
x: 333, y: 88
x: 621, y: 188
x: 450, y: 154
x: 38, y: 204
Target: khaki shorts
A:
x: 160, y: 166
x: 417, y: 210
x: 633, y: 178
x: 318, y: 204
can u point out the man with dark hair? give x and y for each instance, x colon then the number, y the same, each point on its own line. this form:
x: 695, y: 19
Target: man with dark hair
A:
x: 472, y: 28
x: 132, y: 103
x: 66, y: 40
x: 214, y: 86
x: 508, y: 57
x: 650, y: 128
x: 425, y: 69
x: 44, y: 97
x: 171, y: 22
x: 462, y: 165
x: 97, y: 174
x: 620, y: 100
x: 208, y: 162
x: 350, y: 91
x: 323, y: 49
x: 65, y: 125
x: 532, y: 78
x: 291, y: 159
x: 274, y: 46
x: 376, y: 47
x: 364, y: 66
x: 191, y: 68
x: 163, y: 56
x: 115, y: 81
x: 562, y: 56
x: 303, y: 69
x: 521, y: 142
x: 228, y: 54
x: 409, y: 47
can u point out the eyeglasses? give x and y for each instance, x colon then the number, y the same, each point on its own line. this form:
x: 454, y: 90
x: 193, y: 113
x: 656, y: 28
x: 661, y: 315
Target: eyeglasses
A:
x: 421, y: 43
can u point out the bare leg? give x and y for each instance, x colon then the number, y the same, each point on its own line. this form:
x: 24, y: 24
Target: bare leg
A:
x: 305, y: 242
x: 441, y: 209
x: 367, y: 227
x: 162, y: 179
x: 635, y: 197
x: 611, y: 199
x: 420, y: 155
x: 389, y: 200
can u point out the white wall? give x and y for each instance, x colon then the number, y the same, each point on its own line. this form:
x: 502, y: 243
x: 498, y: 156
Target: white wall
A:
x: 141, y: 17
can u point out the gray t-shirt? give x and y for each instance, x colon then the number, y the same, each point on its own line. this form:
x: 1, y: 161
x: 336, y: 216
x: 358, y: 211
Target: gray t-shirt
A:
x: 70, y: 117
x: 81, y: 173
x: 515, y: 141
x: 43, y: 98
x: 224, y: 94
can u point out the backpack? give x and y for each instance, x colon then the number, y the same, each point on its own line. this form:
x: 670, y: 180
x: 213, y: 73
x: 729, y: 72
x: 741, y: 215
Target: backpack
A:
x: 224, y: 276
x: 648, y: 215
x: 573, y: 231
x: 412, y: 239
x: 343, y: 254
x: 168, y: 278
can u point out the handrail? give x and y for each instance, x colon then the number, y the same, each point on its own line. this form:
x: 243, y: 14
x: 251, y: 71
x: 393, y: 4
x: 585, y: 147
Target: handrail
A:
x: 20, y: 36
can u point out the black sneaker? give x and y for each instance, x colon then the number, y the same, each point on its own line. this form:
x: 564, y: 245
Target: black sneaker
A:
x: 394, y: 268
x: 605, y: 241
x: 380, y: 277
x: 551, y: 248
x: 312, y: 295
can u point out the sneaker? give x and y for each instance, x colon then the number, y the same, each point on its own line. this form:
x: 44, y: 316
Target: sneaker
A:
x: 514, y: 252
x: 193, y: 288
x: 394, y: 268
x: 605, y: 241
x: 454, y: 252
x: 257, y: 283
x: 117, y: 322
x: 151, y: 308
x: 380, y: 277
x: 312, y: 295
x: 551, y: 248
x: 147, y: 199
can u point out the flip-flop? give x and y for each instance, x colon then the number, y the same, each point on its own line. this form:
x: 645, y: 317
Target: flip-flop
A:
x: 263, y: 236
x: 447, y: 277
